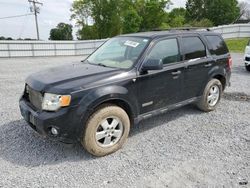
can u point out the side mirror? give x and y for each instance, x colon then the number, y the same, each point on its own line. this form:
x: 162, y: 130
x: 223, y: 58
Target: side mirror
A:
x: 152, y: 64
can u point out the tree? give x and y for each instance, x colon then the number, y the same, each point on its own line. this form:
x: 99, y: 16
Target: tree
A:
x: 195, y: 10
x: 244, y: 10
x: 218, y: 11
x: 62, y: 31
x: 152, y: 12
x: 177, y: 21
x: 131, y: 21
x: 222, y: 11
x: 3, y: 38
x: 202, y: 23
x: 81, y: 11
x: 87, y: 32
x: 176, y: 18
x: 112, y: 17
x: 106, y: 15
x: 177, y: 12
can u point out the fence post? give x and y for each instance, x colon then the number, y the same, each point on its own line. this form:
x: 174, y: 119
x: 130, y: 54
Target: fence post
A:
x: 32, y: 49
x: 8, y: 48
x: 75, y: 46
x: 55, y: 53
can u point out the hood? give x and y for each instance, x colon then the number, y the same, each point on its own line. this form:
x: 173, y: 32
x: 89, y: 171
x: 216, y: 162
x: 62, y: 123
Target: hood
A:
x: 69, y: 78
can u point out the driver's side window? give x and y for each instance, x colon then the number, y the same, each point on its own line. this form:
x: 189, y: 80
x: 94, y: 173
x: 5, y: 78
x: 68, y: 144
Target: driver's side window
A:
x: 166, y: 50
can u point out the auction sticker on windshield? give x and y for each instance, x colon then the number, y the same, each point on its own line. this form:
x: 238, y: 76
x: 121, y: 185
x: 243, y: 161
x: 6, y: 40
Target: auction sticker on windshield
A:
x: 131, y: 43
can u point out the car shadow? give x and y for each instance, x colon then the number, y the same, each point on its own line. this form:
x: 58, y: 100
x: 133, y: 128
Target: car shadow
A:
x: 164, y: 118
x: 20, y: 145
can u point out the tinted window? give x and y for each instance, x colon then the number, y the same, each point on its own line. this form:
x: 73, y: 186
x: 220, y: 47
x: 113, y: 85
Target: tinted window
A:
x: 193, y: 48
x: 218, y: 45
x: 166, y: 50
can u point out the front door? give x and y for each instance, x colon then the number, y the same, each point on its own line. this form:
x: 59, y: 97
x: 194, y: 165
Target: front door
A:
x: 158, y: 89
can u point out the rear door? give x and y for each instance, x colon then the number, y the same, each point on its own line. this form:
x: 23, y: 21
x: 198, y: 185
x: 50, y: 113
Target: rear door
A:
x: 198, y: 62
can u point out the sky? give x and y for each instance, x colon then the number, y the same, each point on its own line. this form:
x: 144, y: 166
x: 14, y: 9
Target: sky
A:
x: 52, y: 12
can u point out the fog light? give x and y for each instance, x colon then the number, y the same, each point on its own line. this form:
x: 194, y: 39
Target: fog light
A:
x: 54, y: 131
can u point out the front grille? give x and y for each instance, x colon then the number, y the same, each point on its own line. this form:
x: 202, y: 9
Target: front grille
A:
x: 34, y: 97
x: 247, y: 58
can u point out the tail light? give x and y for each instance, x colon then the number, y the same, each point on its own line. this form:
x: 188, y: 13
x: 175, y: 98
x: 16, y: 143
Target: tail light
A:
x: 230, y: 62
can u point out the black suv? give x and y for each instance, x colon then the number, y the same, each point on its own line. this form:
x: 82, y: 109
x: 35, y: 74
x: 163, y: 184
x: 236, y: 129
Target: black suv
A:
x: 129, y: 78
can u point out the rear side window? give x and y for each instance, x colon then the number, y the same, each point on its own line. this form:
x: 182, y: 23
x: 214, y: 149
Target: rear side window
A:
x: 193, y: 48
x: 218, y: 46
x: 166, y: 50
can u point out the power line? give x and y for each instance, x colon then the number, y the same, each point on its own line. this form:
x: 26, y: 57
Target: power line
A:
x: 36, y: 11
x: 16, y: 16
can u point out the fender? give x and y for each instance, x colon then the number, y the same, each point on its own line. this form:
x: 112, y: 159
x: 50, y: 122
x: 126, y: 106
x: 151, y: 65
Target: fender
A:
x: 103, y: 94
x: 215, y: 71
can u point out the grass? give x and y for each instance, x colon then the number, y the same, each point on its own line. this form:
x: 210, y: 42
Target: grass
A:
x: 237, y: 45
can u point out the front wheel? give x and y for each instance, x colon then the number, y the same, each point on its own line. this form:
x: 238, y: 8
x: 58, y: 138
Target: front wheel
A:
x: 248, y: 68
x: 211, y: 96
x: 106, y: 130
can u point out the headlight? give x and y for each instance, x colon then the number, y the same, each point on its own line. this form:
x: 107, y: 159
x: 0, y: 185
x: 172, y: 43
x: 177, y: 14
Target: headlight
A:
x: 52, y: 102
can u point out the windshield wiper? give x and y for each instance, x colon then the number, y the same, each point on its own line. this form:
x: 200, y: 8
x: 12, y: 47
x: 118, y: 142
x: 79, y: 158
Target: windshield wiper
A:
x: 101, y: 64
x: 85, y: 60
x: 98, y: 64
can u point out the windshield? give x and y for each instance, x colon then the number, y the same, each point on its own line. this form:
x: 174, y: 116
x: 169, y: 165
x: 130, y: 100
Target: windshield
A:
x: 119, y: 52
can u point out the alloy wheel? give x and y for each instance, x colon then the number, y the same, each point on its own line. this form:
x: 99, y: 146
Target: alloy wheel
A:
x: 213, y: 96
x: 109, y: 132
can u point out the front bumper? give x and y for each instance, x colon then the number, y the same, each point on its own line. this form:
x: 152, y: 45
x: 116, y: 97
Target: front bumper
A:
x: 64, y: 120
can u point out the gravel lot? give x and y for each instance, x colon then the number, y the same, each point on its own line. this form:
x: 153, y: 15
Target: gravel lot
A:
x: 182, y: 148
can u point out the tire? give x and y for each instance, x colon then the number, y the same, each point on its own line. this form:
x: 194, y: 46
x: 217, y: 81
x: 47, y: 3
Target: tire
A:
x: 106, y: 130
x: 211, y: 96
x: 248, y: 68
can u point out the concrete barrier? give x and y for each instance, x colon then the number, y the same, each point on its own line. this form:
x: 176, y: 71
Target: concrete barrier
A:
x: 233, y: 31
x: 47, y: 48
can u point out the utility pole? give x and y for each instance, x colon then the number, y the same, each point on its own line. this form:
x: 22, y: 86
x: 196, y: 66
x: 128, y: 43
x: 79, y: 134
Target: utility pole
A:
x: 34, y: 8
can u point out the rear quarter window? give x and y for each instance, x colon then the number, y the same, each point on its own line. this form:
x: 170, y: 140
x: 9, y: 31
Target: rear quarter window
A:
x: 217, y: 45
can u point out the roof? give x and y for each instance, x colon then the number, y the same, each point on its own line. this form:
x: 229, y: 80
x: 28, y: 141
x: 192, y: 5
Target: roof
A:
x: 157, y: 34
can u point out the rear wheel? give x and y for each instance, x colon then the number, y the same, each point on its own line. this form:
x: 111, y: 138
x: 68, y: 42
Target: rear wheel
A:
x: 211, y: 96
x: 106, y: 130
x: 248, y: 68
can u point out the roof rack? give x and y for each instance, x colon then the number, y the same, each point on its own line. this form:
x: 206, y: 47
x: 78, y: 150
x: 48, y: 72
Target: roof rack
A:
x: 183, y: 29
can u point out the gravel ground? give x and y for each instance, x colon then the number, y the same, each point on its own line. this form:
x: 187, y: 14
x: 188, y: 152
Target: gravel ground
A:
x: 182, y: 148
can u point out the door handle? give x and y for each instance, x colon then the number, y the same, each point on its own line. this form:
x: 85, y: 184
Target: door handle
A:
x: 208, y: 65
x: 176, y: 73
